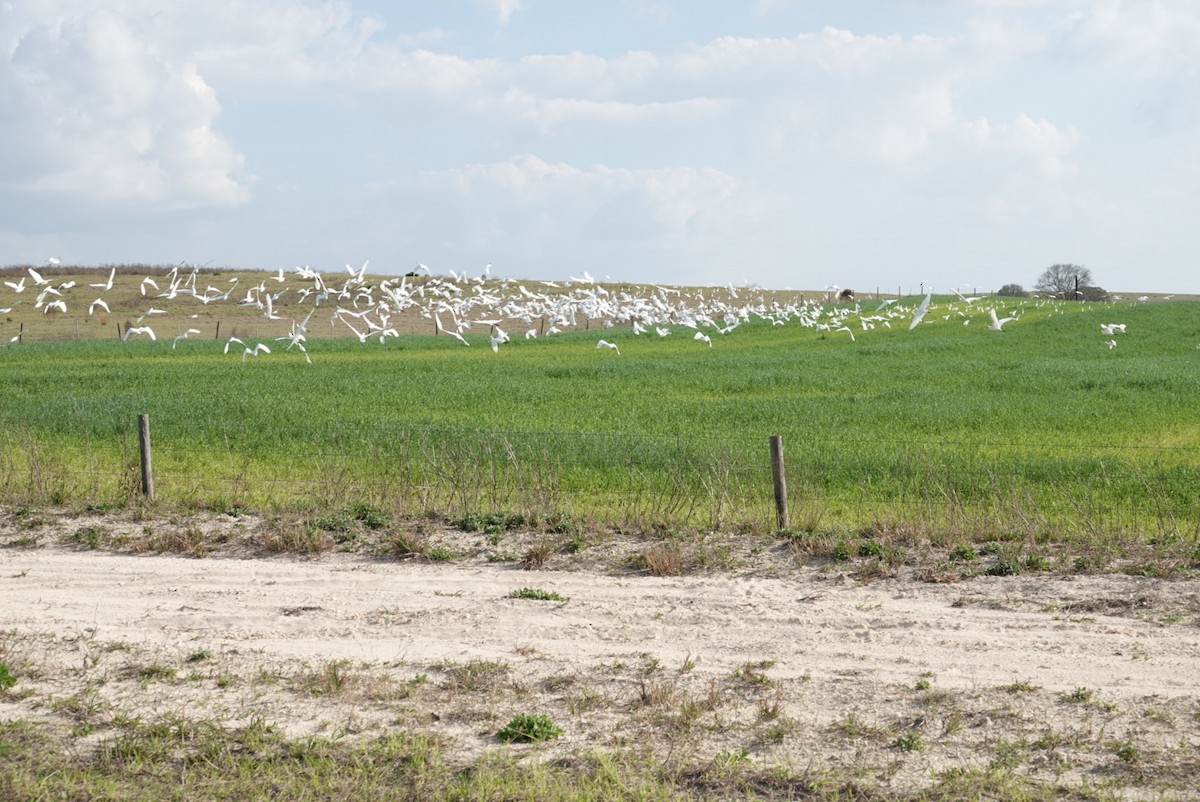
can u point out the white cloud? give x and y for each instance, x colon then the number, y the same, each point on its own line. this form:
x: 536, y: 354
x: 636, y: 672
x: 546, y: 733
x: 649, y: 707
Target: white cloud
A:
x: 96, y: 110
x: 1152, y: 35
x: 483, y: 210
x: 504, y: 9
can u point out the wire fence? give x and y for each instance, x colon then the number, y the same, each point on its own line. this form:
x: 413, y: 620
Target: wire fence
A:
x: 1031, y: 489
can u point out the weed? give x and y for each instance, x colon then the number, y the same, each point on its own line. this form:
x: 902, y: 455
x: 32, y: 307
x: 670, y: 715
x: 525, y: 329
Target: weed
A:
x: 537, y: 595
x: 87, y: 537
x: 338, y: 522
x: 529, y: 728
x: 1127, y: 751
x: 664, y: 560
x: 1078, y: 696
x: 1005, y: 566
x: 564, y: 524
x: 908, y: 741
x: 751, y: 674
x: 440, y: 554
x: 369, y: 517
x: 922, y: 684
x: 1036, y: 562
x: 852, y: 727
x: 402, y: 545
x: 199, y: 657
x: 963, y: 553
x: 489, y: 523
x: 537, y: 555
x: 7, y: 678
x: 155, y: 673
x: 475, y: 675
x: 840, y: 551
x: 870, y: 548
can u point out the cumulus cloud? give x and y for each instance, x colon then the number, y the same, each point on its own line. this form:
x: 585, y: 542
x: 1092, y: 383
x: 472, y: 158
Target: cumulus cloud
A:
x: 96, y: 111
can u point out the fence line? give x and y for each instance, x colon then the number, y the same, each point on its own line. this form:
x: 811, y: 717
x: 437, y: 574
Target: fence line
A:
x: 621, y: 478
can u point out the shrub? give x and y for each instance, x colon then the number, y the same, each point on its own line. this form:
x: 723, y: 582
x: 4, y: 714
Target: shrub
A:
x: 1012, y: 291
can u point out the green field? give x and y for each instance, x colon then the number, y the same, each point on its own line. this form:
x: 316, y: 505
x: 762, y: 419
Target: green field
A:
x: 1037, y: 429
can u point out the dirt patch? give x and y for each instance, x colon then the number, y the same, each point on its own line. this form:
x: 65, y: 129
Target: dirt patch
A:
x: 757, y: 658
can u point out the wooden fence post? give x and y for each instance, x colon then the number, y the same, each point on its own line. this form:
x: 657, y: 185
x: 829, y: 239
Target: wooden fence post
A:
x: 144, y: 450
x: 781, y: 510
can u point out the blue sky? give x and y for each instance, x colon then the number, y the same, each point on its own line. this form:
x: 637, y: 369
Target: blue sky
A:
x: 785, y: 143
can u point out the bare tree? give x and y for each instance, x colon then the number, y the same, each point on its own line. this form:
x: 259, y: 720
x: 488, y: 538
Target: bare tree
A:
x: 1062, y: 281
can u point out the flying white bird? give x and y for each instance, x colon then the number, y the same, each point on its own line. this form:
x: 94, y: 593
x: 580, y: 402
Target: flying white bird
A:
x: 1111, y: 344
x: 59, y: 305
x: 231, y: 341
x: 183, y: 336
x: 702, y: 337
x: 151, y: 282
x: 139, y: 330
x: 497, y: 339
x: 106, y: 285
x: 920, y: 313
x: 662, y: 332
x: 1107, y: 329
x: 37, y: 277
x: 997, y: 324
x: 255, y: 351
x: 607, y: 344
x: 17, y: 286
x: 100, y: 303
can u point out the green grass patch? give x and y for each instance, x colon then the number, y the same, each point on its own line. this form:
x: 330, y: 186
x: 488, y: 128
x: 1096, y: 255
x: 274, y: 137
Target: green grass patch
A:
x: 945, y: 428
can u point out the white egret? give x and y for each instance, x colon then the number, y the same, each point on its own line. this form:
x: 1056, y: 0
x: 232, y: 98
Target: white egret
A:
x: 100, y: 302
x: 498, y: 339
x: 261, y: 348
x: 139, y: 330
x: 920, y: 313
x: 231, y: 341
x: 1108, y: 329
x: 997, y: 324
x: 607, y: 344
x: 183, y: 336
x: 702, y: 337
x: 106, y: 285
x: 17, y: 286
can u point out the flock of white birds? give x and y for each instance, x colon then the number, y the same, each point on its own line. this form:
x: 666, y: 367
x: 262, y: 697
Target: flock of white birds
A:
x: 458, y: 304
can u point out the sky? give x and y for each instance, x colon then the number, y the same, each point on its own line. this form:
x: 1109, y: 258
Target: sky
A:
x: 890, y: 144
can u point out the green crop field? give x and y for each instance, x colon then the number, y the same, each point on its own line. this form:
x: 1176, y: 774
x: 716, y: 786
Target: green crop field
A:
x: 1039, y: 428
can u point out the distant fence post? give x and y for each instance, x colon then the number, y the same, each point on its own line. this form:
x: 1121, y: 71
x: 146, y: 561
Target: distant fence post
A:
x: 144, y: 450
x: 781, y: 510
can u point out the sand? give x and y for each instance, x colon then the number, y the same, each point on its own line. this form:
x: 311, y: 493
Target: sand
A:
x: 998, y: 658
